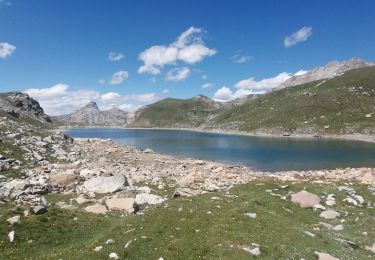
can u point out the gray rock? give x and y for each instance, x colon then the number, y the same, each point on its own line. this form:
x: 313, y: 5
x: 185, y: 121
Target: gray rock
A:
x: 325, y: 256
x: 126, y: 205
x: 145, y: 198
x: 184, y: 192
x: 106, y: 184
x: 96, y: 209
x: 14, y: 220
x: 39, y: 210
x: 329, y: 214
x: 305, y: 199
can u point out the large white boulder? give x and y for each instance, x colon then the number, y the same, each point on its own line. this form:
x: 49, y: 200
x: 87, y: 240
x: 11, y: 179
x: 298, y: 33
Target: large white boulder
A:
x: 145, y: 198
x: 105, y: 184
x: 305, y: 199
x: 126, y: 205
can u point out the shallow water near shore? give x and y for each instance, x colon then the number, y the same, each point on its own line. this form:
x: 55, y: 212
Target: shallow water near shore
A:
x: 260, y: 153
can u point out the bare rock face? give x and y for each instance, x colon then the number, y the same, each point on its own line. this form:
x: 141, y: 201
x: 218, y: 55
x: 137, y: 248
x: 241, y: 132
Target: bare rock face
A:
x: 19, y: 104
x: 106, y: 184
x: 305, y: 199
x: 91, y: 115
x: 332, y: 69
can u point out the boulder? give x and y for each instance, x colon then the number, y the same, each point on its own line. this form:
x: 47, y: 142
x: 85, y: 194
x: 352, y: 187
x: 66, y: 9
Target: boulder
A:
x: 62, y: 179
x: 126, y: 205
x: 371, y: 248
x: 39, y: 210
x: 305, y: 199
x: 325, y: 256
x: 145, y: 198
x: 184, y: 192
x: 96, y: 209
x: 106, y: 184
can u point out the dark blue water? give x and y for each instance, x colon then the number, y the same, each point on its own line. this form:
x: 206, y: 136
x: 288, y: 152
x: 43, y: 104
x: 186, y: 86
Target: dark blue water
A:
x: 261, y: 153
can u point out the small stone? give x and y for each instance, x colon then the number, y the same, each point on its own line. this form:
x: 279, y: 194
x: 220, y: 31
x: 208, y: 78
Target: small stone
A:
x: 98, y: 248
x: 251, y: 215
x: 14, y: 220
x: 109, y: 241
x: 114, y: 256
x: 371, y: 248
x: 39, y: 210
x: 252, y: 249
x: 338, y: 228
x: 325, y: 256
x: 309, y: 233
x: 11, y: 236
x: 329, y: 214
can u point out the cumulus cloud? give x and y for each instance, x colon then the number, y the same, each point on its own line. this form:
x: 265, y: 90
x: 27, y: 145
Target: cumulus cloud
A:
x: 251, y: 86
x: 6, y: 50
x: 189, y: 48
x: 207, y: 85
x: 115, y: 56
x: 118, y: 77
x: 59, y: 99
x: 178, y: 74
x: 299, y: 36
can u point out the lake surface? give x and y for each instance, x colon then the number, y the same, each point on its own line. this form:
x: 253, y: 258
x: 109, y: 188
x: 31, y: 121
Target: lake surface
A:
x: 260, y: 153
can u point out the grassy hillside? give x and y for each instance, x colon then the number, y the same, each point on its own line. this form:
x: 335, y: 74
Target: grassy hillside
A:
x: 342, y: 105
x: 178, y: 113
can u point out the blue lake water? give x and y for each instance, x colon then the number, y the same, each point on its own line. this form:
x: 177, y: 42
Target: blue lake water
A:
x: 261, y: 153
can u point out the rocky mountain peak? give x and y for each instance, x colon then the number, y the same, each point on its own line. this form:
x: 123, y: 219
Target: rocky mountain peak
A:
x: 19, y: 104
x: 91, y: 105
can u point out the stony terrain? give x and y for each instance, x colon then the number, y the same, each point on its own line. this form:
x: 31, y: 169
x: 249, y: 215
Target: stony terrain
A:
x: 91, y: 115
x: 49, y: 180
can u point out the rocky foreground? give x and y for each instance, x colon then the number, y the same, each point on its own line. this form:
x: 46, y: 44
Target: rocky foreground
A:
x: 103, y: 177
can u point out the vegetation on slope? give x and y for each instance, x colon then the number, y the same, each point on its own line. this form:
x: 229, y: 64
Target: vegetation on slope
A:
x: 342, y: 105
x: 176, y: 113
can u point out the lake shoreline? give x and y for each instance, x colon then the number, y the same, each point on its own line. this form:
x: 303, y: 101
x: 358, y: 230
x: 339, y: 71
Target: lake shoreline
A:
x: 358, y: 137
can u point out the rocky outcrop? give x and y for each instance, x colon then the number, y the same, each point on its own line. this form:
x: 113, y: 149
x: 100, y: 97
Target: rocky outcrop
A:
x: 91, y: 115
x: 17, y: 104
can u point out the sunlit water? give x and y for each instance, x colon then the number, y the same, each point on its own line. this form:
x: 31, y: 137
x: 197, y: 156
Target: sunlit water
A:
x: 261, y: 153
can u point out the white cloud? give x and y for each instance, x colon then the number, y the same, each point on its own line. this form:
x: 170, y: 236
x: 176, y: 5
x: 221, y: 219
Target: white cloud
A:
x: 6, y: 50
x: 59, y: 99
x: 178, y: 74
x: 299, y: 36
x: 264, y: 84
x: 204, y: 77
x: 118, y: 77
x: 251, y: 86
x: 165, y: 91
x: 207, y: 85
x: 237, y: 58
x: 189, y: 48
x: 115, y: 56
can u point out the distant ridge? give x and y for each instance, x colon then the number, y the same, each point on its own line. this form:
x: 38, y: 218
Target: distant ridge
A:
x: 330, y: 70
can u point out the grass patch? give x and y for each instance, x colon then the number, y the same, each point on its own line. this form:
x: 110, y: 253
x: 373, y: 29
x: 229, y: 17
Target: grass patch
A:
x: 182, y: 228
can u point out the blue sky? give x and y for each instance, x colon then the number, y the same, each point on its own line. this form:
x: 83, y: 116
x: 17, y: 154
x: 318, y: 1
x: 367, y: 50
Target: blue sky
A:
x: 58, y: 51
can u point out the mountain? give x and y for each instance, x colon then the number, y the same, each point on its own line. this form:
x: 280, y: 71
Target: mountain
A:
x: 330, y: 70
x: 91, y: 115
x: 17, y: 105
x: 340, y: 105
x: 176, y: 113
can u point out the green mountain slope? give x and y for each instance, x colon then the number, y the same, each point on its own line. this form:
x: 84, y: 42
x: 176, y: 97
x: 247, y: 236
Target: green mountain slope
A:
x: 342, y: 105
x: 176, y: 113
